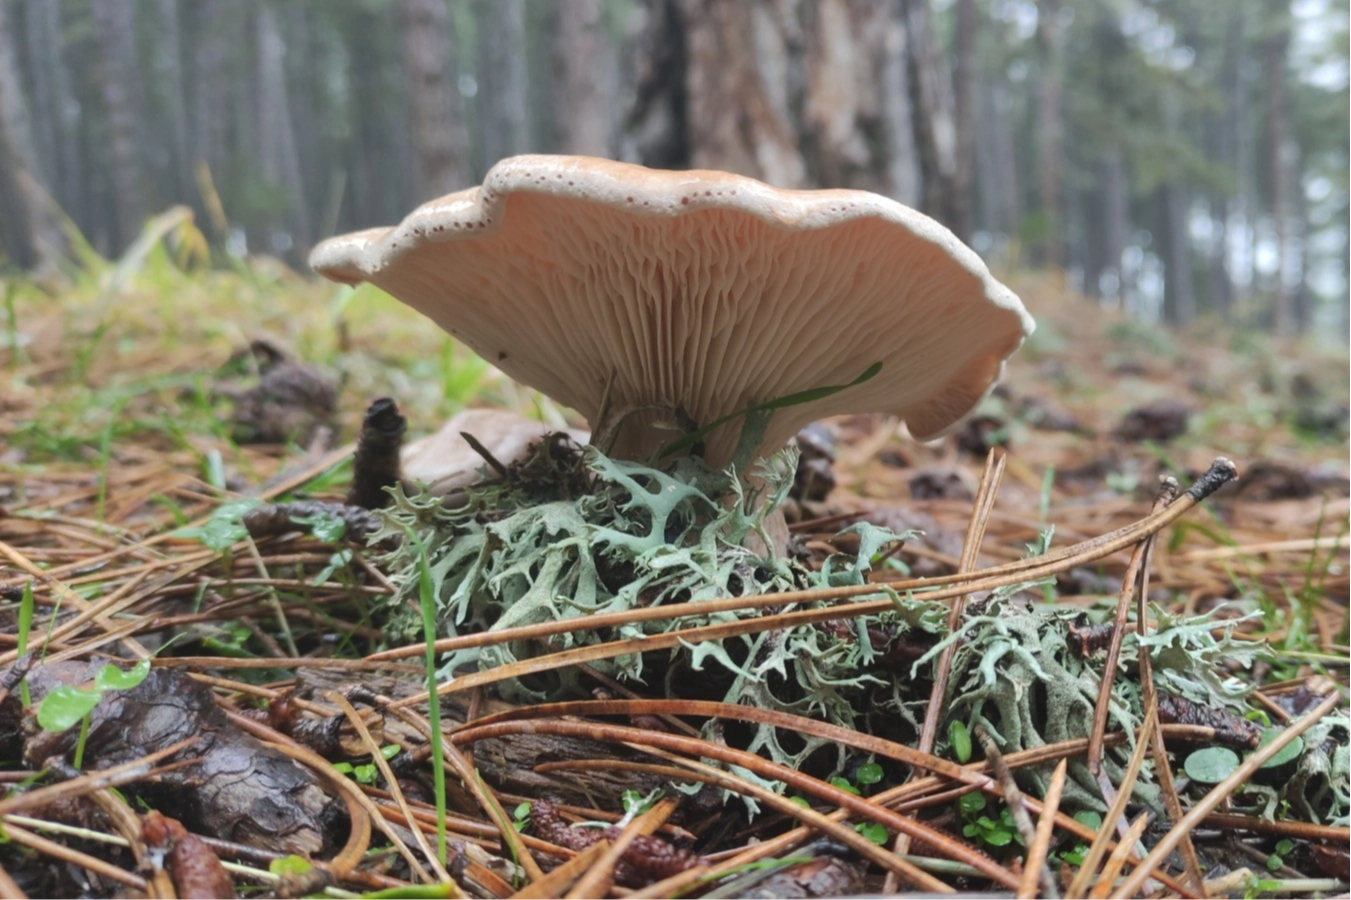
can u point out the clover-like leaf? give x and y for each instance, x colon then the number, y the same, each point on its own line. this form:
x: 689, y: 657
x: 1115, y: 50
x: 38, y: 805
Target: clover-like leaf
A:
x: 65, y: 706
x: 111, y: 678
x: 1211, y: 765
x: 1289, y: 753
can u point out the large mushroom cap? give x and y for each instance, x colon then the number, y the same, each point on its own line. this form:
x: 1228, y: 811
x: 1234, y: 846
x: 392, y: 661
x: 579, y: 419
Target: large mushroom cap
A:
x: 651, y: 297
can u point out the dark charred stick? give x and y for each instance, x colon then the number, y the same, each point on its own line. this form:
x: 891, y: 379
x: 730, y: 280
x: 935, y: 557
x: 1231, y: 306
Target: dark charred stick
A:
x: 484, y: 452
x: 1221, y: 472
x: 375, y: 466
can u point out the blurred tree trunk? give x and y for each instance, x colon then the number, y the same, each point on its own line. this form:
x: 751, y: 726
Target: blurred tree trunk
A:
x: 997, y: 159
x: 167, y: 63
x: 440, y: 139
x: 739, y: 69
x: 503, y: 114
x: 206, y: 128
x: 1274, y: 52
x: 124, y: 106
x: 54, y: 107
x: 584, y: 80
x: 963, y: 91
x: 1117, y: 219
x: 1179, y: 292
x: 1049, y: 115
x: 656, y: 130
x: 29, y: 232
x: 847, y: 132
x: 280, y: 162
x: 931, y: 106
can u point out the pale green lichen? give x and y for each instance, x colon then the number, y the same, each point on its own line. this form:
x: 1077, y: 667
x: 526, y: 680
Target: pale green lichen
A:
x: 572, y: 533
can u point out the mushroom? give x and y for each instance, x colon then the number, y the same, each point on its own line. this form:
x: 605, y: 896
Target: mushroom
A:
x: 655, y: 302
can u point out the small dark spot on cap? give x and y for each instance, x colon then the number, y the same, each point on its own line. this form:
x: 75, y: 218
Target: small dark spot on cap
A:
x: 629, y: 199
x: 684, y: 201
x: 501, y: 355
x: 708, y: 193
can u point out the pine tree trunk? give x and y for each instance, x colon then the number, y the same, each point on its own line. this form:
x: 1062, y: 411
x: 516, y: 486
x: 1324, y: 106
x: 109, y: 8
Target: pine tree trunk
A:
x: 656, y: 129
x: 167, y: 59
x: 124, y: 109
x: 440, y: 139
x: 280, y: 162
x: 1278, y: 152
x: 584, y: 80
x: 963, y: 92
x: 1179, y: 293
x: 1049, y: 37
x: 856, y: 118
x: 29, y: 232
x: 1117, y: 224
x: 934, y: 123
x: 503, y: 114
x: 738, y: 60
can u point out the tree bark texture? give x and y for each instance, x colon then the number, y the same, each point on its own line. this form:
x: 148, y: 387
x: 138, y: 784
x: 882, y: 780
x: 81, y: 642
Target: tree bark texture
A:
x: 738, y: 85
x: 440, y: 139
x: 280, y: 161
x: 856, y: 118
x: 584, y: 80
x: 503, y: 114
x: 1049, y: 34
x: 124, y: 109
x: 934, y: 123
x: 1279, y: 152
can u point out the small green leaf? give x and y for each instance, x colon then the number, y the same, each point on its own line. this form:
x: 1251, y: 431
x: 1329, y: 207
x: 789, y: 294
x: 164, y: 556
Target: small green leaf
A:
x: 873, y: 831
x: 800, y: 801
x: 111, y: 678
x: 1274, y: 862
x: 290, y: 865
x: 998, y: 837
x: 324, y: 526
x: 1289, y: 753
x: 971, y: 803
x: 1076, y: 856
x: 366, y: 774
x: 65, y: 707
x: 1089, y: 819
x: 389, y: 751
x: 960, y: 741
x: 1211, y: 765
x: 343, y: 768
x: 1285, y: 847
x: 869, y: 773
x: 808, y: 396
x: 217, y: 535
x: 844, y: 785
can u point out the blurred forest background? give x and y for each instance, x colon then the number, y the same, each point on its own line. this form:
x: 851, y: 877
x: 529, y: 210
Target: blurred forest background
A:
x: 1180, y: 158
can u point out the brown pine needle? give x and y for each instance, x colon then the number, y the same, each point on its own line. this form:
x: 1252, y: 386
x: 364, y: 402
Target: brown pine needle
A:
x: 1112, y: 869
x: 1034, y: 864
x: 1167, y: 493
x: 1084, y: 877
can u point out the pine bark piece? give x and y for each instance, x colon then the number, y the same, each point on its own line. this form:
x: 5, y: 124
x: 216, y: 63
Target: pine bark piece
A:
x: 240, y: 790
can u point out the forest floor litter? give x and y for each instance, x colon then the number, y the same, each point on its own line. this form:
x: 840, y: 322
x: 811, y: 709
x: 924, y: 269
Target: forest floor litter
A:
x: 912, y: 700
